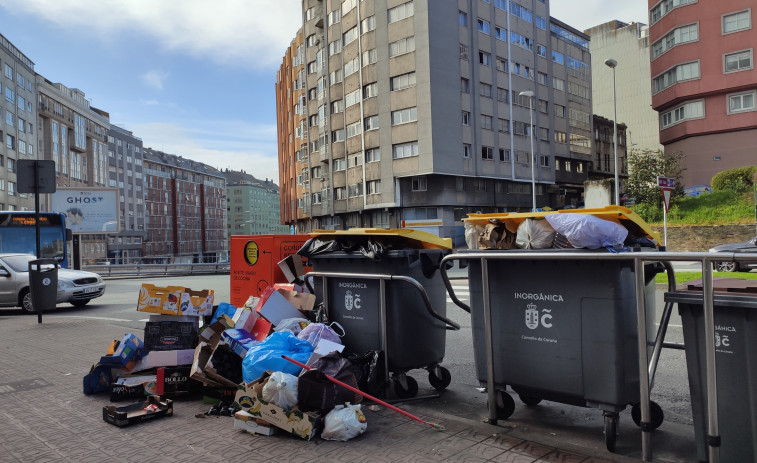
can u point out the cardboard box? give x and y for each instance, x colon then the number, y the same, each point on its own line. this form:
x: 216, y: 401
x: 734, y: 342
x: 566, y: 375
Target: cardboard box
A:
x: 125, y: 352
x: 196, y: 302
x: 239, y: 341
x: 98, y: 379
x: 161, y: 300
x: 170, y: 335
x: 292, y: 268
x: 262, y: 329
x: 301, y: 424
x: 247, y: 422
x: 165, y: 358
x: 133, y: 387
x: 244, y: 319
x: 150, y: 409
x: 302, y: 301
x: 204, y: 372
x: 211, y: 334
x: 218, y: 394
x: 175, y: 382
x: 274, y: 307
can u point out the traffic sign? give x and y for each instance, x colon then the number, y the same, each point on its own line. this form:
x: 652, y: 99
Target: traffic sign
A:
x: 666, y: 182
x: 666, y: 198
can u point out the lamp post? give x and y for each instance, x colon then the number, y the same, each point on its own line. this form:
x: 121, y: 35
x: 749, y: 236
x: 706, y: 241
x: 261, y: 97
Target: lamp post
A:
x: 530, y: 95
x: 612, y: 64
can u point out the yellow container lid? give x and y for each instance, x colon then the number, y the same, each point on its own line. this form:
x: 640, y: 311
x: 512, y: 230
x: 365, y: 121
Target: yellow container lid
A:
x: 618, y: 214
x: 423, y: 240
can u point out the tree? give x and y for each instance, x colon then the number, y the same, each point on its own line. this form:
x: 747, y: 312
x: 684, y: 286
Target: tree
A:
x: 644, y: 166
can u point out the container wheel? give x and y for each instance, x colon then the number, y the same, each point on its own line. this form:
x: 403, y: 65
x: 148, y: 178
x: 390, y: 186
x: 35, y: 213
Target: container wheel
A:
x: 439, y: 377
x: 611, y: 430
x: 658, y: 416
x: 407, y: 390
x: 505, y: 405
x: 529, y: 400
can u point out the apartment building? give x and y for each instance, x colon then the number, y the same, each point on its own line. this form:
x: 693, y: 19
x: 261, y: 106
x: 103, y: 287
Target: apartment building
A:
x: 628, y: 45
x: 413, y: 113
x: 185, y: 210
x: 18, y: 114
x: 126, y: 172
x: 603, y: 166
x: 704, y: 83
x: 252, y: 205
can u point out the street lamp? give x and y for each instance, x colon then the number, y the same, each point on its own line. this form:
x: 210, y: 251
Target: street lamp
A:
x: 530, y: 95
x: 612, y: 63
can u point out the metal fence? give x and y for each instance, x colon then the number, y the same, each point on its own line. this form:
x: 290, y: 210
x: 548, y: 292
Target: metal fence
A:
x: 140, y: 269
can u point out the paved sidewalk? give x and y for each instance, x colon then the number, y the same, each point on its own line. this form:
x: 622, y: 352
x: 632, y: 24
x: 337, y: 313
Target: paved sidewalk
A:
x: 45, y: 417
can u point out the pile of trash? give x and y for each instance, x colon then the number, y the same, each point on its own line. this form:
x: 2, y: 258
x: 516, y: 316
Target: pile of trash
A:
x: 268, y: 364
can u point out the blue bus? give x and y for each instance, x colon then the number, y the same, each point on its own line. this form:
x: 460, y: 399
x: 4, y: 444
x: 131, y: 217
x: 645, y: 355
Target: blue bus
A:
x: 17, y: 234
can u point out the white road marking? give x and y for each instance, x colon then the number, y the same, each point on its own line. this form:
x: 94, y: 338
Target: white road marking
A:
x: 90, y: 318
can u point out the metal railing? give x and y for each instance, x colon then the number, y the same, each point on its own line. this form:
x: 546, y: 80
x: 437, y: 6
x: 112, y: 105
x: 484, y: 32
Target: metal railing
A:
x: 140, y: 269
x: 639, y: 259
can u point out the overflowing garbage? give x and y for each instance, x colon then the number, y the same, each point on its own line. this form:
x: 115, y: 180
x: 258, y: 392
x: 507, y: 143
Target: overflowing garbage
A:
x: 269, y: 364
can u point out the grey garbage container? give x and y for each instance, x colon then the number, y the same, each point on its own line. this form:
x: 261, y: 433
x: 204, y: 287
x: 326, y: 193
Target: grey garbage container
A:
x: 735, y: 312
x: 43, y: 283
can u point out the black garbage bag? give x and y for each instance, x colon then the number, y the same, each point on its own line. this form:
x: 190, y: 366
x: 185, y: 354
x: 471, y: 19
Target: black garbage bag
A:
x: 373, y: 250
x: 369, y: 372
x: 315, y: 246
x: 315, y: 392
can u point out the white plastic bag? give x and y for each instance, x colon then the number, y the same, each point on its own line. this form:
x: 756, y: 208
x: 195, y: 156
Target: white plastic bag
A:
x: 295, y: 325
x: 344, y: 422
x: 281, y: 390
x: 472, y: 234
x: 587, y: 231
x: 535, y: 234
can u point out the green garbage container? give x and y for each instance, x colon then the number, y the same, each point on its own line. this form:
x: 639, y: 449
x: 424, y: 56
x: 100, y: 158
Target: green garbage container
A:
x: 735, y: 313
x: 43, y: 283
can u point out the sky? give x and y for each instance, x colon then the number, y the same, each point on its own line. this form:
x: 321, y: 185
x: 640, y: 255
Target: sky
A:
x: 194, y: 78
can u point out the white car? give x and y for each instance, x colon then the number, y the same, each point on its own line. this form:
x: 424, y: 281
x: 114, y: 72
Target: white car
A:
x: 74, y: 286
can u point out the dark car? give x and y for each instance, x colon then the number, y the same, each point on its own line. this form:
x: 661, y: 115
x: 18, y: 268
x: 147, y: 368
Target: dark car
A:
x: 728, y: 266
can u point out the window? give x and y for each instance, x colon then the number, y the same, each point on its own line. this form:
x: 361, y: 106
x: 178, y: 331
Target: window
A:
x: 487, y: 152
x: 561, y: 137
x: 373, y: 187
x: 558, y: 58
x: 335, y: 77
x: 335, y: 47
x: 372, y: 155
x: 466, y: 152
x: 21, y: 103
x: 486, y: 122
x: 501, y: 64
x: 402, y: 81
x: 504, y: 155
x: 11, y: 188
x: 541, y: 50
x: 368, y: 24
x: 544, y: 161
x: 484, y: 58
x: 403, y: 116
x: 370, y: 90
x: 371, y: 123
x: 558, y: 84
x: 355, y: 190
x: 8, y: 71
x: 405, y: 150
x: 311, y: 40
x: 335, y: 17
x: 354, y: 129
x: 10, y: 119
x: 402, y: 46
x: 337, y: 135
x: 691, y: 110
x: 316, y: 172
x: 348, y: 5
x: 735, y: 22
x: 352, y: 98
x: 339, y: 164
x: 349, y: 36
x: 463, y: 52
x: 672, y: 76
x: 355, y: 160
x: 502, y: 95
x: 559, y: 110
x: 479, y: 184
x: 369, y: 57
x: 483, y: 26
x: 21, y: 147
x: 738, y: 61
x: 679, y: 35
x: 465, y: 85
x: 459, y: 184
x: 466, y: 118
x: 741, y: 102
x: 541, y: 78
x: 541, y: 23
x: 340, y: 192
x: 399, y: 12
x: 543, y: 105
x: 503, y: 125
x: 419, y: 184
x: 11, y: 165
x: 500, y: 33
x: 521, y: 12
x: 337, y: 106
x: 543, y: 133
x: 351, y: 66
x: 520, y: 40
x: 462, y: 18
x: 10, y: 95
x: 664, y: 7
x: 485, y: 90
x: 316, y: 198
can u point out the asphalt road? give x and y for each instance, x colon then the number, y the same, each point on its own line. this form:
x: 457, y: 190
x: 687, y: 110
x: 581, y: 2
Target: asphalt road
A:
x: 549, y: 421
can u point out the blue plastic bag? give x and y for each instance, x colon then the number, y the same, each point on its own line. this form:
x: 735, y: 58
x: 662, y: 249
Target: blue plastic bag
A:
x: 224, y: 308
x: 267, y: 355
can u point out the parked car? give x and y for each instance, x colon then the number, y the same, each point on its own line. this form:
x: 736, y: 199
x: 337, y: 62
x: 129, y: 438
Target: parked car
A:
x: 746, y: 246
x: 697, y: 190
x: 74, y: 286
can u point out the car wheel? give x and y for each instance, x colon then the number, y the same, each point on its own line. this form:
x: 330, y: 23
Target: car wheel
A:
x: 25, y: 300
x: 80, y: 303
x: 726, y: 266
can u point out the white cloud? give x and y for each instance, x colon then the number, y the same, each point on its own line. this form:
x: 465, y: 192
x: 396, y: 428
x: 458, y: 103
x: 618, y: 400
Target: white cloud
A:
x: 247, y: 33
x: 154, y: 79
x: 235, y: 145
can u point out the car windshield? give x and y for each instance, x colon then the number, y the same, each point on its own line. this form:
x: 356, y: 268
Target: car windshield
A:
x: 19, y: 263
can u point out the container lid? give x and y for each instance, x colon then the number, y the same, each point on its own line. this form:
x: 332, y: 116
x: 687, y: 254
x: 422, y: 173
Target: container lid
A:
x: 422, y: 240
x: 727, y: 293
x: 635, y: 225
x: 725, y: 285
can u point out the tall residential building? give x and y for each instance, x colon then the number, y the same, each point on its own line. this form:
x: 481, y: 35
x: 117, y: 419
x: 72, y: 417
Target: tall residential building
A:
x: 252, y: 205
x: 411, y: 125
x: 704, y: 83
x: 604, y: 151
x: 628, y: 44
x: 125, y: 172
x: 18, y: 116
x: 185, y: 208
x: 74, y: 134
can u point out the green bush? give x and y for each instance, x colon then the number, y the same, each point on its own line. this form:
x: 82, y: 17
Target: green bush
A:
x: 651, y: 213
x: 739, y: 179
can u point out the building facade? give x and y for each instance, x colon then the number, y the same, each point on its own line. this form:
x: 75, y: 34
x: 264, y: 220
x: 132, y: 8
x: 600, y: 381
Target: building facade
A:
x: 18, y: 116
x: 410, y: 125
x: 628, y: 44
x: 126, y: 172
x: 185, y: 207
x: 704, y: 83
x: 603, y: 166
x: 253, y: 206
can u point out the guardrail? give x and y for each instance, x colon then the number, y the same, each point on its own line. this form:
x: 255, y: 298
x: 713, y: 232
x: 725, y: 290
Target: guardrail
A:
x: 139, y: 269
